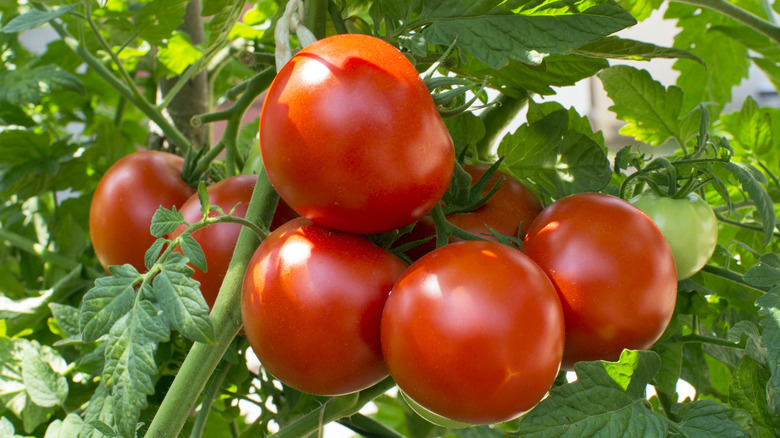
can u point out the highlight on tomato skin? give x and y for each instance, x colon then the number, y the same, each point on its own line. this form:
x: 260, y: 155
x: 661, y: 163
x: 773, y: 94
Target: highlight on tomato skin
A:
x: 357, y: 103
x: 614, y: 272
x: 125, y: 200
x: 312, y: 302
x: 473, y: 332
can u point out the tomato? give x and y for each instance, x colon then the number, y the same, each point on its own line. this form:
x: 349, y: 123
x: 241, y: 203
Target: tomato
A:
x: 312, y: 303
x: 689, y: 225
x: 613, y: 270
x: 473, y: 332
x: 351, y: 138
x: 512, y: 207
x: 125, y: 200
x: 218, y: 241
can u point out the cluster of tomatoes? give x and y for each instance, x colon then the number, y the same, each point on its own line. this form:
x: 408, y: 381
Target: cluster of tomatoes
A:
x: 474, y: 331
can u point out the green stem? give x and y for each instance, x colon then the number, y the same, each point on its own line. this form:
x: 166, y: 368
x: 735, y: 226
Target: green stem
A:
x: 334, y: 409
x: 335, y: 18
x: 208, y: 401
x: 42, y: 252
x: 497, y: 118
x: 445, y: 229
x: 751, y: 227
x: 731, y: 10
x: 315, y: 15
x: 705, y: 340
x: 139, y: 101
x: 731, y: 276
x: 226, y: 316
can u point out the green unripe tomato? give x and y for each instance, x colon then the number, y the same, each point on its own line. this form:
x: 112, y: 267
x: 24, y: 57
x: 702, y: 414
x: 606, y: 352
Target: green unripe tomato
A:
x: 688, y: 224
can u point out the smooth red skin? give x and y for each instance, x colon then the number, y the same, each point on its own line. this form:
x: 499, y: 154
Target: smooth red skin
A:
x: 125, y: 200
x: 218, y: 241
x: 614, y: 272
x: 312, y: 303
x: 473, y: 331
x: 512, y: 207
x: 351, y: 137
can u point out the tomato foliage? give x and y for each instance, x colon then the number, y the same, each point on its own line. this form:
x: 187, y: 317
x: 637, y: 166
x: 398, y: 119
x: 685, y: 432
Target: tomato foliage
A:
x: 109, y: 325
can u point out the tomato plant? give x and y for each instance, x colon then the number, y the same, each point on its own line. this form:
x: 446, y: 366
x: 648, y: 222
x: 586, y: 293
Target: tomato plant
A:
x: 311, y: 303
x: 613, y: 270
x: 688, y: 224
x: 356, y: 103
x: 473, y: 331
x: 126, y: 198
x: 509, y: 212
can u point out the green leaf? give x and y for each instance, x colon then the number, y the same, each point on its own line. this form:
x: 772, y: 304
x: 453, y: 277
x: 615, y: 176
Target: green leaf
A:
x: 27, y: 85
x: 708, y: 418
x: 226, y: 14
x: 182, y: 302
x: 203, y: 198
x: 68, y: 428
x: 164, y: 221
x: 755, y: 127
x: 34, y: 18
x: 67, y: 318
x: 766, y: 272
x: 178, y: 54
x: 158, y: 20
x: 130, y: 366
x: 640, y: 9
x: 493, y: 34
x: 749, y: 177
x: 608, y: 399
x: 619, y: 48
x: 651, y: 111
x: 560, y: 160
x: 192, y: 250
x: 108, y: 301
x: 45, y: 386
x: 99, y: 415
x: 748, y: 392
x: 151, y: 254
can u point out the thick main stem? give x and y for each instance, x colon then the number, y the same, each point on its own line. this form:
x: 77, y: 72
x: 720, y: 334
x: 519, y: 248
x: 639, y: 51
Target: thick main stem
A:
x: 226, y: 316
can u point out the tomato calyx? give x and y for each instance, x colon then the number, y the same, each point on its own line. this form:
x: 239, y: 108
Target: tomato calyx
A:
x: 463, y: 197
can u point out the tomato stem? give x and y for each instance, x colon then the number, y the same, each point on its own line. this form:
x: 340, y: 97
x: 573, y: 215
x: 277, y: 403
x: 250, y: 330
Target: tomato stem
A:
x: 496, y: 119
x: 747, y: 18
x: 208, y: 400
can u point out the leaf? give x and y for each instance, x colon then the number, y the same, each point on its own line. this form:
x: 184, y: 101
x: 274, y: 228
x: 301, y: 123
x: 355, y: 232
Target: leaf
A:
x: 182, y: 302
x: 108, y: 301
x: 99, y: 415
x: 164, y: 221
x: 493, y: 34
x: 151, y: 254
x: 68, y: 428
x: 766, y: 272
x: 45, y: 386
x: 130, y: 366
x: 158, y: 20
x: 748, y: 178
x: 203, y: 198
x: 708, y: 418
x: 607, y: 399
x: 651, y: 111
x: 27, y: 85
x: 619, y: 48
x: 34, y: 18
x: 640, y: 9
x: 178, y: 54
x: 755, y: 127
x: 67, y: 318
x: 748, y: 391
x: 192, y: 250
x: 226, y: 14
x: 560, y: 160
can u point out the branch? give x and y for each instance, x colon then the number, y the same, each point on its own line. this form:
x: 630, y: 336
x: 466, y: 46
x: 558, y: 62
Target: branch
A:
x: 731, y: 10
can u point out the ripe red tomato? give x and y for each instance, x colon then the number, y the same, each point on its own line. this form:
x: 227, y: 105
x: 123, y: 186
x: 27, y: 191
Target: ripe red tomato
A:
x: 512, y: 207
x: 351, y: 137
x: 473, y: 332
x: 125, y: 200
x: 218, y: 241
x: 312, y: 302
x: 613, y: 270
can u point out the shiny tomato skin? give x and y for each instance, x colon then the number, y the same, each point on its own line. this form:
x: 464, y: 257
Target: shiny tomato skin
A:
x: 218, y: 241
x: 125, y: 200
x: 351, y: 137
x: 473, y: 332
x: 512, y: 207
x: 614, y: 272
x: 689, y: 225
x: 312, y: 302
